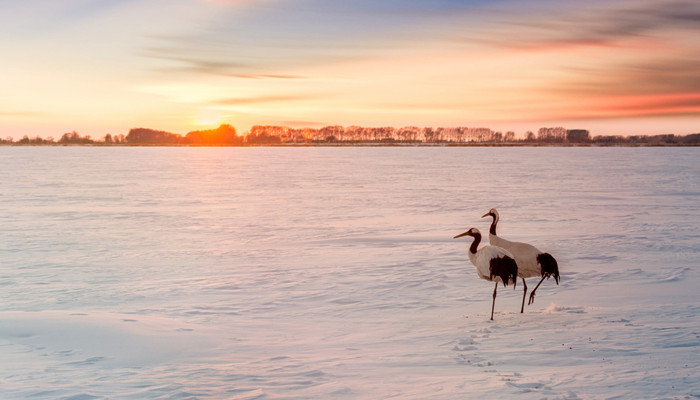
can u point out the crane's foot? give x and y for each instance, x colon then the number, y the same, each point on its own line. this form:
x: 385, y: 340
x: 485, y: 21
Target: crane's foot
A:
x: 532, y: 298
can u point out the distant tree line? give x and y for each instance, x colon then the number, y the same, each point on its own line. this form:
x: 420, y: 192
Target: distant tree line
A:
x: 226, y: 135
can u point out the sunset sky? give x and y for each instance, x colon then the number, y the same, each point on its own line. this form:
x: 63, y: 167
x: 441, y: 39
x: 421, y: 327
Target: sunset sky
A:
x: 105, y: 66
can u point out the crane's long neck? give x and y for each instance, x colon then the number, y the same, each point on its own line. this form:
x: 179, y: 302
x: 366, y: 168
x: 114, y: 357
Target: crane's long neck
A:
x: 492, y: 230
x: 475, y: 243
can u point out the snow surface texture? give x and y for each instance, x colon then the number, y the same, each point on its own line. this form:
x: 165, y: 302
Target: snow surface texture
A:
x: 295, y: 273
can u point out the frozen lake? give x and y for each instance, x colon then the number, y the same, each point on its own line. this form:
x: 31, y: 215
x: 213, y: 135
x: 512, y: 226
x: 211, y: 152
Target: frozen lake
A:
x: 297, y: 273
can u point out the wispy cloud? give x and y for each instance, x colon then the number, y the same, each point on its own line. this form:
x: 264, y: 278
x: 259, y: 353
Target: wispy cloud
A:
x: 596, y: 23
x: 659, y: 75
x: 657, y: 104
x: 278, y: 38
x: 608, y: 59
x: 189, y: 61
x: 186, y: 56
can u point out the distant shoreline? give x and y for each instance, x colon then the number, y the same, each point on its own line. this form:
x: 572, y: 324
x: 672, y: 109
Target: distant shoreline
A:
x: 357, y: 136
x: 362, y: 144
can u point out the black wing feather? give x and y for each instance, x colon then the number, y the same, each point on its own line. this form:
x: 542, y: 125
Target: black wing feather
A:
x: 549, y: 266
x: 505, y: 268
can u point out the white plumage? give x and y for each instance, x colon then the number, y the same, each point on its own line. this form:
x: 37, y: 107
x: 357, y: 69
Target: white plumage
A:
x: 482, y: 261
x: 492, y: 263
x: 531, y: 261
x: 525, y: 255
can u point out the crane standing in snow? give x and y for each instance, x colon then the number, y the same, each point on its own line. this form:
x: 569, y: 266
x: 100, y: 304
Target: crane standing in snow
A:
x: 531, y: 261
x: 492, y: 263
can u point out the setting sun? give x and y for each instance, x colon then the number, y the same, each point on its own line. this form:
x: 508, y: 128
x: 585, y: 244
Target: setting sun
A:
x: 209, y: 118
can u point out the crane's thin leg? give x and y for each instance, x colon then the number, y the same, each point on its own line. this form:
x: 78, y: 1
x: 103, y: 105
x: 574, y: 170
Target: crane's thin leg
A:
x: 532, y: 294
x: 493, y: 304
x: 522, y: 307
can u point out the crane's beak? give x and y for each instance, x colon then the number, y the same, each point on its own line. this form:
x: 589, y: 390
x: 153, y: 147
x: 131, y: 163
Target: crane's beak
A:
x: 461, y: 234
x: 486, y: 215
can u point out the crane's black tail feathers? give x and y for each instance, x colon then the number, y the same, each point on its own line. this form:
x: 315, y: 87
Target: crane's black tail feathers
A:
x: 549, y: 266
x: 504, y: 268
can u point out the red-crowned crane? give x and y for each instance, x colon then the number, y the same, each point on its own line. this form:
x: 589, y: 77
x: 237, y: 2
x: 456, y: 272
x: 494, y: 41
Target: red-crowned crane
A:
x: 492, y: 263
x: 531, y: 261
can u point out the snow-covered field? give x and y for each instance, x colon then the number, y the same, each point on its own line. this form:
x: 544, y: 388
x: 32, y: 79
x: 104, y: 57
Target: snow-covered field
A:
x: 295, y: 273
